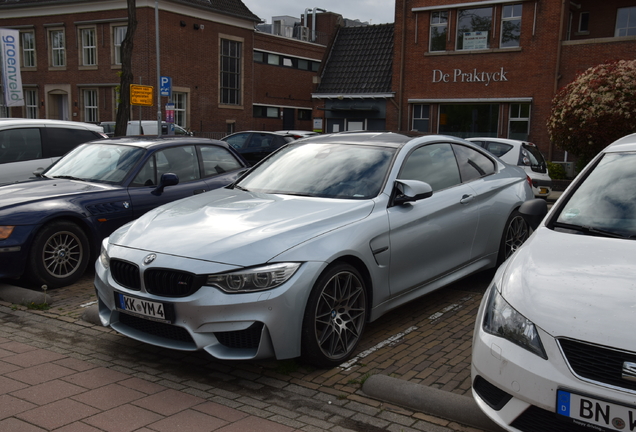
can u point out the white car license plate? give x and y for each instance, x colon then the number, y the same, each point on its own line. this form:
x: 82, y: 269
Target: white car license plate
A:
x: 148, y: 309
x: 587, y: 411
x: 543, y: 190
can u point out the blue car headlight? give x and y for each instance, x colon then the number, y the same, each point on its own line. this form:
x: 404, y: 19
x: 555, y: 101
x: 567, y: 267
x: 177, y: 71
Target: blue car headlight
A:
x: 504, y: 321
x: 253, y: 279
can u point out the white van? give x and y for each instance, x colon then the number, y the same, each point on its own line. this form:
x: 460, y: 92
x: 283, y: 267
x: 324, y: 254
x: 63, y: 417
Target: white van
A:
x: 29, y: 144
x: 149, y: 127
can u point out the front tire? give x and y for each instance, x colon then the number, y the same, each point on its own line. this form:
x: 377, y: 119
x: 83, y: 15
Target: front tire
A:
x: 335, y: 316
x: 59, y: 255
x: 516, y: 232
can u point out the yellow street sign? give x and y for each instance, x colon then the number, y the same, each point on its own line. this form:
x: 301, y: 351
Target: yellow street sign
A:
x: 140, y: 95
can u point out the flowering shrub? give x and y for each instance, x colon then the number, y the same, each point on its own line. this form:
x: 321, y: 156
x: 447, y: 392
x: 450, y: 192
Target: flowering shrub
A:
x: 595, y: 109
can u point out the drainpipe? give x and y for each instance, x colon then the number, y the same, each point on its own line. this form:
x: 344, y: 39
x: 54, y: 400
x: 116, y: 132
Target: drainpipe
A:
x: 558, y: 64
x: 313, y: 23
x: 402, y: 62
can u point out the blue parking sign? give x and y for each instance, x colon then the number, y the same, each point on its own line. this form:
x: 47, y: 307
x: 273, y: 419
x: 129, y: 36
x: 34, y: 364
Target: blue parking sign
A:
x: 166, y: 86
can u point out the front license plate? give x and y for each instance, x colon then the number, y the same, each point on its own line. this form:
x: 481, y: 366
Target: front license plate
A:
x: 154, y: 311
x: 595, y: 414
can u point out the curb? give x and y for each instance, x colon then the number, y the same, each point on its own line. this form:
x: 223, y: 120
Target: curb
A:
x: 429, y: 400
x: 22, y: 296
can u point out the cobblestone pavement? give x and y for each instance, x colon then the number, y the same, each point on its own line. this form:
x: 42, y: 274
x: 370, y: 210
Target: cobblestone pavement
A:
x: 427, y: 342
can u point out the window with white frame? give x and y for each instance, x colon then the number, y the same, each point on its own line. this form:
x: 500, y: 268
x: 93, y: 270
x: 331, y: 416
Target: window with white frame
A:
x: 421, y: 117
x: 89, y: 46
x: 519, y: 123
x: 91, y: 108
x: 626, y: 22
x: 119, y: 33
x: 230, y: 70
x: 511, y: 25
x: 180, y: 108
x: 473, y: 28
x: 439, y: 27
x: 584, y: 22
x: 31, y: 103
x: 27, y: 38
x: 58, y: 47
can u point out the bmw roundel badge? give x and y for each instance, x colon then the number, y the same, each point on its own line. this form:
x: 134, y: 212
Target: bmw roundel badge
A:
x: 149, y: 258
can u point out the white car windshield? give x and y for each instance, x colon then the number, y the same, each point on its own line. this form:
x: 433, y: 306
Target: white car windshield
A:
x: 322, y: 170
x: 96, y: 162
x: 605, y: 203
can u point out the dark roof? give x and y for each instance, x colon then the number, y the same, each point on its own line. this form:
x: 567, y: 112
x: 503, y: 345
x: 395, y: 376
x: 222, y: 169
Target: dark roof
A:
x: 360, y: 61
x: 234, y: 8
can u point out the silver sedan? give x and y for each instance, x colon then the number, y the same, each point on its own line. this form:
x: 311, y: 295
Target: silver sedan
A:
x: 318, y: 239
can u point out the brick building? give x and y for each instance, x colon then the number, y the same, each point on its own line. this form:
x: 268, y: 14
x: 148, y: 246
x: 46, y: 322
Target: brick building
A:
x: 492, y: 67
x: 226, y: 76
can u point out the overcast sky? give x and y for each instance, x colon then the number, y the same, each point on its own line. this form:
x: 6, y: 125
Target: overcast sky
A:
x: 373, y: 11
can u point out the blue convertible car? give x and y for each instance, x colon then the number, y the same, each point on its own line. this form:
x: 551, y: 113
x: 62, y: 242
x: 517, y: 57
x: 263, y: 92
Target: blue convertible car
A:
x: 51, y: 227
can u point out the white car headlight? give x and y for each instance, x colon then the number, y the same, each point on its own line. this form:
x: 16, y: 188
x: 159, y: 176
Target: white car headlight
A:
x: 504, y: 321
x: 254, y: 279
x: 103, y: 256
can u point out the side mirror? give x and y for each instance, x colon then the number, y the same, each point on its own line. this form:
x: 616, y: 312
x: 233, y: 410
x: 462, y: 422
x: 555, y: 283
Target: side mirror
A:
x: 411, y: 190
x: 533, y: 211
x: 167, y: 179
x: 38, y: 172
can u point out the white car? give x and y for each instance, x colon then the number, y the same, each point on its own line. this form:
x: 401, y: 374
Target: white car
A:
x: 553, y: 346
x: 522, y: 153
x: 30, y: 144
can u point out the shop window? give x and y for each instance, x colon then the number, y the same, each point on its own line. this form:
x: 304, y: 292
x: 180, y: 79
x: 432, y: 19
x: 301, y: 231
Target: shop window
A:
x: 473, y: 28
x: 31, y: 103
x: 626, y: 22
x: 421, y: 118
x: 584, y: 22
x: 510, y: 26
x: 89, y: 47
x: 91, y: 108
x: 28, y: 49
x: 230, y: 70
x: 469, y: 120
x: 180, y: 108
x: 439, y: 27
x: 519, y: 126
x: 57, y: 48
x: 119, y: 34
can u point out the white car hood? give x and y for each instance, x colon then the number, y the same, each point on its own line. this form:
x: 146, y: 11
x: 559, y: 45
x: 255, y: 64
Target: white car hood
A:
x: 238, y: 228
x: 575, y: 286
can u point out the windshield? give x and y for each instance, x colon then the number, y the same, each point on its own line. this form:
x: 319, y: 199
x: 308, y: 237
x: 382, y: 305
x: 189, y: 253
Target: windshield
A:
x: 103, y: 163
x: 606, y: 200
x: 322, y: 170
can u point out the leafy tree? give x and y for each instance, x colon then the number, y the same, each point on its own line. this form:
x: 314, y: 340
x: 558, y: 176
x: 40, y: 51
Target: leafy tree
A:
x: 595, y: 109
x: 123, y: 109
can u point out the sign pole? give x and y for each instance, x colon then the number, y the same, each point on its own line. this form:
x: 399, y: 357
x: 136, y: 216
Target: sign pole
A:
x: 158, y: 69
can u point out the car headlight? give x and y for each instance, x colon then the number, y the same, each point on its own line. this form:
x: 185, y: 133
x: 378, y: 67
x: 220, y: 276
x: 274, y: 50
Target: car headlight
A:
x: 503, y: 320
x: 5, y: 232
x: 253, y: 279
x: 103, y: 257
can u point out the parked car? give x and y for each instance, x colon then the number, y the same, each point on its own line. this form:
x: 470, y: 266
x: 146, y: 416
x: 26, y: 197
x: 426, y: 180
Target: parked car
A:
x: 29, y: 144
x: 255, y: 145
x: 526, y: 155
x: 297, y: 134
x: 319, y: 238
x: 51, y: 227
x: 147, y: 127
x: 553, y: 346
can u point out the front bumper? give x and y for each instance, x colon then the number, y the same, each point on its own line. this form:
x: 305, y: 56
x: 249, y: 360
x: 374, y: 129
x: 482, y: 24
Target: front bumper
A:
x: 14, y: 252
x: 227, y: 326
x: 518, y: 390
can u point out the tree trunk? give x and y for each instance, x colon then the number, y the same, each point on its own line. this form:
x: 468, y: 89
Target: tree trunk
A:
x: 123, y: 109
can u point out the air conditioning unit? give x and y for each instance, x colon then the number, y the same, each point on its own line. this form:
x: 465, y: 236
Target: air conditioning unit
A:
x: 304, y: 33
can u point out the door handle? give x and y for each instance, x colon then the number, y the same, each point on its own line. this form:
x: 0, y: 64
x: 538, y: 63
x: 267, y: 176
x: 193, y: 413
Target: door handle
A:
x: 467, y: 198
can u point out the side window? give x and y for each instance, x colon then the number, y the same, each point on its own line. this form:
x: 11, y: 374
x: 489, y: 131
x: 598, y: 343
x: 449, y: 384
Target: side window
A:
x: 59, y: 141
x: 498, y: 149
x: 472, y: 164
x: 20, y: 145
x: 181, y: 161
x: 147, y: 175
x: 434, y: 164
x: 217, y: 160
x: 237, y: 141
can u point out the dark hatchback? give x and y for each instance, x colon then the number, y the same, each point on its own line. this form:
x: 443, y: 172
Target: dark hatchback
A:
x: 255, y: 145
x: 51, y: 227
